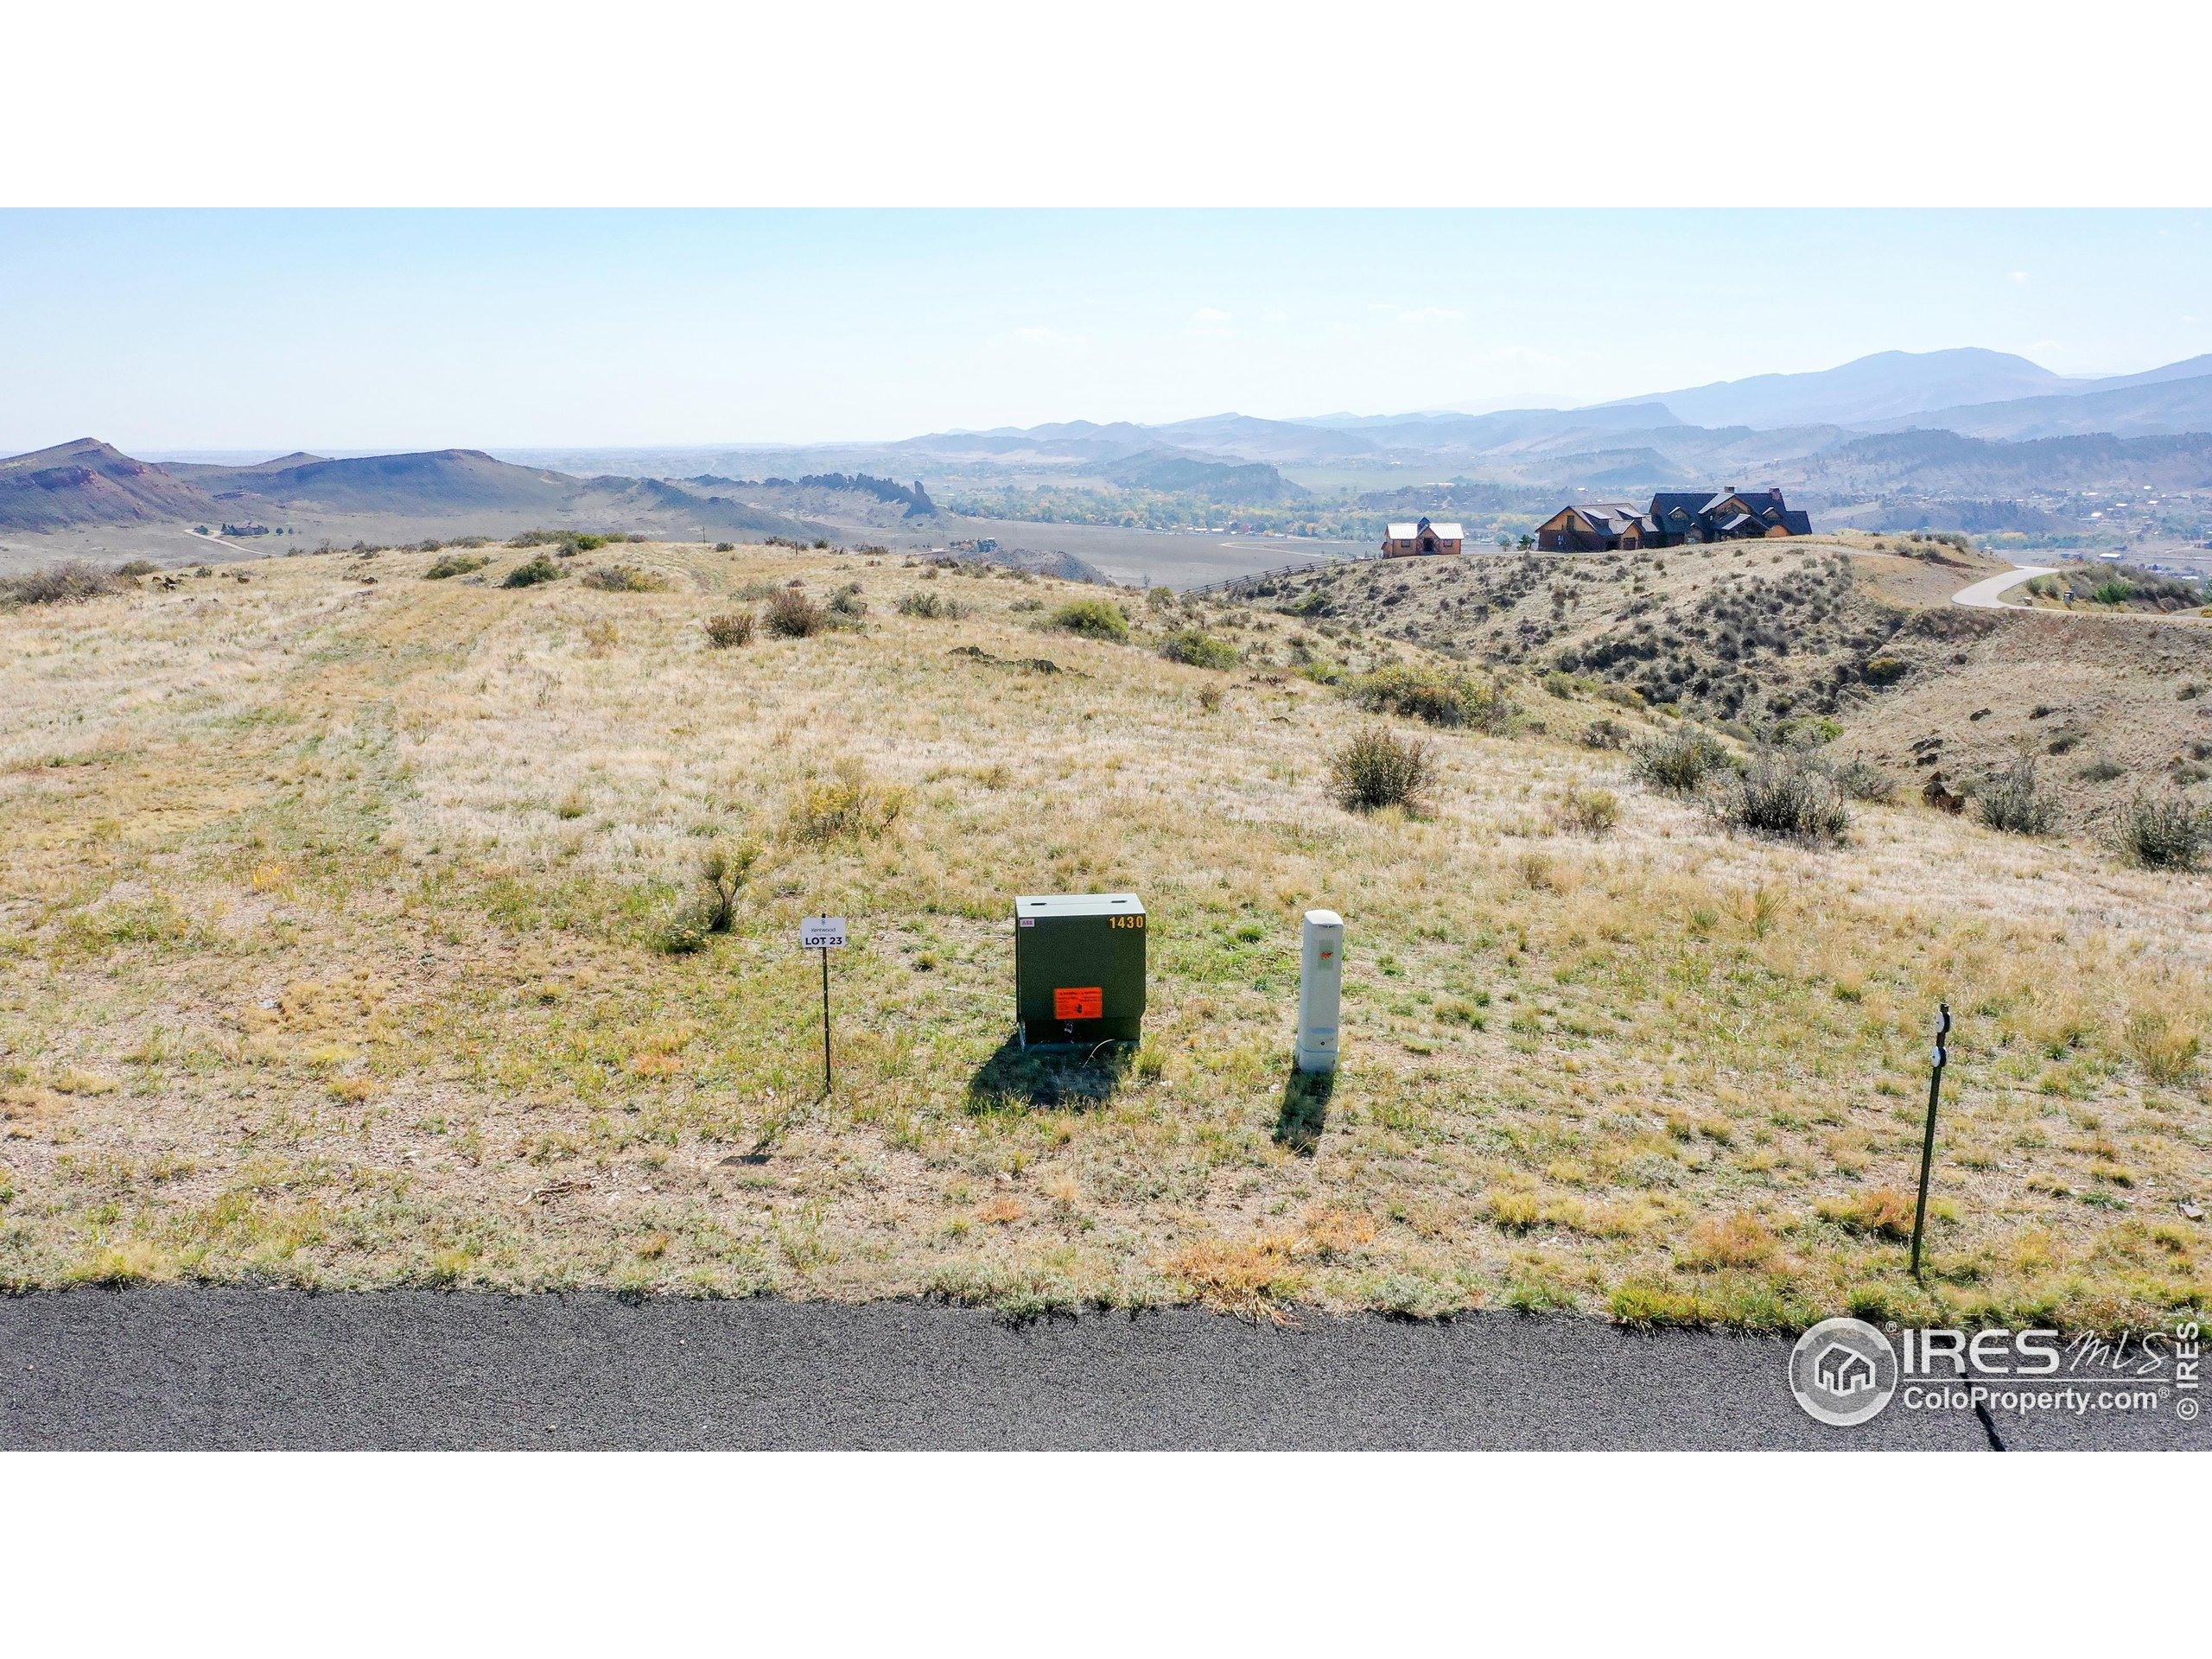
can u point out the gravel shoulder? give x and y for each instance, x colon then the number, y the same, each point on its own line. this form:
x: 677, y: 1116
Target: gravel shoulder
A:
x: 175, y: 1368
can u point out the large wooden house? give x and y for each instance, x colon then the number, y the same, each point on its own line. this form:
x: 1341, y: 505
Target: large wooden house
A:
x: 1415, y: 541
x: 1595, y: 527
x: 1673, y: 518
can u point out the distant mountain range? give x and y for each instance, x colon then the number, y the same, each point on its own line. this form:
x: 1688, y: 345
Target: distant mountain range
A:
x: 1765, y: 419
x: 1981, y: 423
x: 89, y: 483
x: 1880, y: 387
x: 1990, y: 394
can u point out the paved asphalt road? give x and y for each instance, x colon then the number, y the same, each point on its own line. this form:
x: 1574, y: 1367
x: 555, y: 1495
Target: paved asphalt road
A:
x: 1986, y: 594
x: 190, y: 1368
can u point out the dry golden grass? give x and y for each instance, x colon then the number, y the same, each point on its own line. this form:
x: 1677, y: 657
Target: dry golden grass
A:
x: 1739, y: 1241
x: 334, y: 949
x: 1254, y: 1277
x: 2092, y: 699
x: 1882, y: 1211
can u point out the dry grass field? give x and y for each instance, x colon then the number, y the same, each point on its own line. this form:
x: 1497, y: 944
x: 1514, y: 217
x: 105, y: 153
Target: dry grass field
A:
x: 2107, y: 706
x: 335, y: 930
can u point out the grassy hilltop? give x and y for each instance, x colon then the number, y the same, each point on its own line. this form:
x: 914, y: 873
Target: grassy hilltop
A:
x: 356, y: 933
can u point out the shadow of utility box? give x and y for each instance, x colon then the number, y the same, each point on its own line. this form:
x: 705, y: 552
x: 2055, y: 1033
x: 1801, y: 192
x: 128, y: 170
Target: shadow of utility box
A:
x: 1078, y: 968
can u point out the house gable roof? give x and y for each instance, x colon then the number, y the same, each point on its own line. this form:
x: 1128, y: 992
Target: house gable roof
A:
x: 1616, y: 514
x: 1686, y: 512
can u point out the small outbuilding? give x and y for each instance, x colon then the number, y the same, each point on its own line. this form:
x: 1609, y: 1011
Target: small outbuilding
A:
x: 1421, y: 540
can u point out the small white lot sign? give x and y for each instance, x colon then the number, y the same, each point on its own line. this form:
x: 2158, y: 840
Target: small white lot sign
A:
x: 822, y: 932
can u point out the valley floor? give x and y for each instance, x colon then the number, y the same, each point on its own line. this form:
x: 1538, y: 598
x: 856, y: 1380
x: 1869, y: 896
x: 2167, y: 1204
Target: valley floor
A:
x: 335, y: 930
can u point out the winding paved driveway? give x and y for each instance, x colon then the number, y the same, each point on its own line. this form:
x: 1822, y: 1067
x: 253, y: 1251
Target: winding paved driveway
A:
x: 1983, y: 595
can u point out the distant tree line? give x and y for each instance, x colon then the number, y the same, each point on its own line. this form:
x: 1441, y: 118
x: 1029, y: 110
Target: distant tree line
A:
x: 915, y: 499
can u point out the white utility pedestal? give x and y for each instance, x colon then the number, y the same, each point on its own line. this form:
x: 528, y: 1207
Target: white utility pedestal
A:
x: 1320, y: 990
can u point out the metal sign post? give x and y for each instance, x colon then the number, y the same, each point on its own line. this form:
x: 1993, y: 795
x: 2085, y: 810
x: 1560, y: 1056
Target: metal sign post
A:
x: 1927, y: 1140
x: 825, y: 934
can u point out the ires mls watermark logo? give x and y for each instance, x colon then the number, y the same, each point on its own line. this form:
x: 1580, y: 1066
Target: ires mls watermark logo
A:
x: 1845, y: 1372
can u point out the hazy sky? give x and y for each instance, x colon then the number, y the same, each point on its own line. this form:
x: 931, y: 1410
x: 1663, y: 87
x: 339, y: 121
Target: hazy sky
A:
x: 357, y: 330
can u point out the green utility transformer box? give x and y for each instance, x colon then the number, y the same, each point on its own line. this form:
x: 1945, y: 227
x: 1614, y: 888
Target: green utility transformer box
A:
x: 1078, y: 968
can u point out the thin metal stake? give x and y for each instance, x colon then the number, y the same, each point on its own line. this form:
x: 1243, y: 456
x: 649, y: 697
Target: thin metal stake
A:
x: 1927, y: 1140
x: 826, y: 1029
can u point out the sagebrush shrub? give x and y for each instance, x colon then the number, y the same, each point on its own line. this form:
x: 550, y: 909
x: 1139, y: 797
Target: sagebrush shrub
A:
x: 1864, y: 781
x: 1094, y: 618
x: 570, y: 543
x: 1435, y: 695
x: 2012, y: 801
x: 848, y: 806
x: 532, y: 572
x: 1681, y: 761
x: 724, y: 868
x: 1885, y: 670
x: 734, y: 628
x: 1605, y: 733
x: 626, y: 579
x: 1197, y: 648
x: 65, y: 583
x: 934, y: 607
x: 2163, y: 832
x: 454, y: 564
x: 1378, y: 768
x: 792, y: 615
x: 1786, y: 795
x: 1588, y: 811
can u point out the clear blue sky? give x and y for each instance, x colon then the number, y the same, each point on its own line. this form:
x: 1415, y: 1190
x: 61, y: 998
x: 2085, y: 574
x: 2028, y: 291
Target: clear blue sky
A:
x: 356, y: 330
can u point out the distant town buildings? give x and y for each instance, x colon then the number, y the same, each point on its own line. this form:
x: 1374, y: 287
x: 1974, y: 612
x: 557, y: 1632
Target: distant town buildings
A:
x: 245, y: 530
x: 1673, y: 519
x: 1413, y: 541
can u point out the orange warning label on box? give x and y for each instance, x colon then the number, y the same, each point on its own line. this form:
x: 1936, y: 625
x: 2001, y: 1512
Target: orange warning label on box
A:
x: 1079, y: 1002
